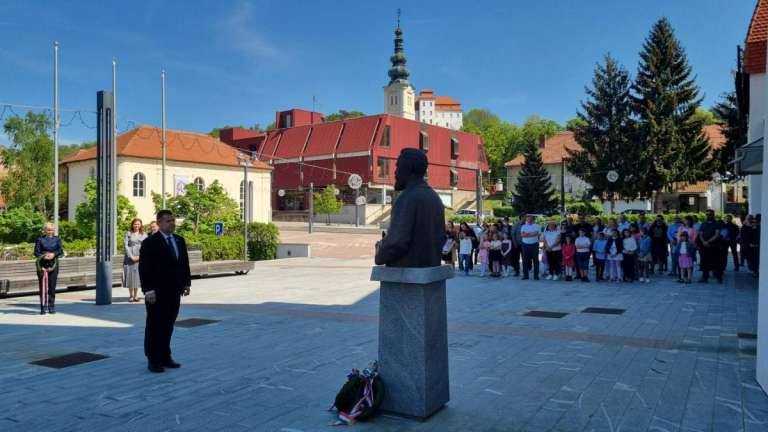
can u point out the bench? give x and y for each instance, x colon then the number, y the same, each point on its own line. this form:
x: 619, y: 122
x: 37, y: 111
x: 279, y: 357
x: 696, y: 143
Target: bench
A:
x: 20, y: 277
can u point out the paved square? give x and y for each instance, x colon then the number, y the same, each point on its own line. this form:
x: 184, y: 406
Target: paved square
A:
x: 289, y: 331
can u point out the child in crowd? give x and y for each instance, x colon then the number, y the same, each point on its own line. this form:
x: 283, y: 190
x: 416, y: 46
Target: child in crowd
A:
x: 599, y: 248
x: 685, y: 251
x: 630, y: 254
x: 482, y: 255
x: 615, y: 249
x: 465, y: 253
x: 569, y: 257
x: 644, y: 255
x: 583, y: 247
x: 494, y: 255
x: 506, y: 254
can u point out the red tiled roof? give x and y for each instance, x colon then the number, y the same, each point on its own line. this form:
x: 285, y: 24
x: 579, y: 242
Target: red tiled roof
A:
x: 553, y: 150
x: 757, y: 36
x: 144, y: 142
x: 698, y: 187
x: 442, y: 103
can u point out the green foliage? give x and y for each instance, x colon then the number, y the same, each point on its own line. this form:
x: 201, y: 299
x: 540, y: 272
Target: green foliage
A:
x: 343, y: 115
x: 325, y: 202
x: 214, y: 248
x: 575, y: 123
x: 533, y: 192
x: 470, y: 219
x: 66, y: 151
x: 604, y: 131
x: 201, y: 209
x: 22, y: 251
x: 29, y: 162
x: 705, y: 116
x: 673, y: 145
x: 69, y: 231
x: 20, y: 224
x: 263, y: 239
x: 85, y: 213
x: 588, y: 208
x: 501, y: 212
x: 502, y: 140
x: 80, y: 248
x: 734, y: 128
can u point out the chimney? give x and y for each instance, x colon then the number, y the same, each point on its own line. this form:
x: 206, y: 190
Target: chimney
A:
x: 542, y: 141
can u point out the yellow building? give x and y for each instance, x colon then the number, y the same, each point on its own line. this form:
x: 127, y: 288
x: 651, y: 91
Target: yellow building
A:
x: 190, y: 158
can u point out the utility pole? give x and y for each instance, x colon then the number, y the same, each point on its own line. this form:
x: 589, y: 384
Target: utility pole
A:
x: 162, y: 139
x: 245, y: 163
x: 562, y: 186
x: 114, y: 150
x: 311, y: 204
x: 479, y: 196
x: 105, y: 216
x: 56, y: 124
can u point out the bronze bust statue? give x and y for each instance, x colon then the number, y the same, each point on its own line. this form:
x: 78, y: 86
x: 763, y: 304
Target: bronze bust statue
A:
x: 417, y: 230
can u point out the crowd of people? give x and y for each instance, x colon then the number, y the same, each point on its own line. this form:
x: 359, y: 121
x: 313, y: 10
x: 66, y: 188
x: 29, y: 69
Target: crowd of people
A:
x: 614, y: 250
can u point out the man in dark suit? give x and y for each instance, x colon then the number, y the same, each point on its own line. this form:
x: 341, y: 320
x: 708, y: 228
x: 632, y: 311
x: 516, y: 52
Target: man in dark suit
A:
x: 165, y: 277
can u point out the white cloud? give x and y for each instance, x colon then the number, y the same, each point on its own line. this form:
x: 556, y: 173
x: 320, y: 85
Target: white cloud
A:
x: 240, y: 27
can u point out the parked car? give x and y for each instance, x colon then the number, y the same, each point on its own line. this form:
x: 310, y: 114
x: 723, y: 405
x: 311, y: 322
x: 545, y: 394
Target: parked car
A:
x: 472, y: 212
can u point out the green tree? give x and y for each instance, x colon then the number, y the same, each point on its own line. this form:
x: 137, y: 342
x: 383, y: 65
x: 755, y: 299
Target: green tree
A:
x: 325, y: 202
x: 604, y: 131
x: 29, y: 161
x: 533, y: 192
x: 735, y: 130
x: 481, y: 118
x: 706, y: 117
x: 343, y: 115
x: 665, y: 101
x: 68, y: 150
x: 575, y: 123
x: 20, y: 224
x: 201, y: 209
x: 86, y: 211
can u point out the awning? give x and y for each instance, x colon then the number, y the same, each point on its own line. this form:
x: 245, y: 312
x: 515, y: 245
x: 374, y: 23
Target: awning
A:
x: 749, y: 158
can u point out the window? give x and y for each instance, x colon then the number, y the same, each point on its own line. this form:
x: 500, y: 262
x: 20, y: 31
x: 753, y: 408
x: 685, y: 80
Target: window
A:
x: 385, y: 137
x: 199, y: 184
x: 454, y: 178
x: 454, y: 148
x: 139, y: 183
x: 423, y: 141
x: 382, y: 166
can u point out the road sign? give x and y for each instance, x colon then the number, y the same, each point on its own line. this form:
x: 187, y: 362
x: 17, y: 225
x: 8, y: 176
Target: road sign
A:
x: 355, y: 181
x: 612, y: 176
x: 218, y: 228
x: 360, y: 200
x: 281, y: 193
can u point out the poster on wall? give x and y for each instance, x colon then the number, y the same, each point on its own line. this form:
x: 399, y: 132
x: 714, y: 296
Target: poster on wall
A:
x: 181, y: 183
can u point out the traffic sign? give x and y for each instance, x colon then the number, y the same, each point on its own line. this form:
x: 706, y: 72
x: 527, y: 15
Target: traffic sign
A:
x: 355, y: 181
x: 218, y: 228
x: 612, y: 176
x: 281, y: 193
x: 360, y: 200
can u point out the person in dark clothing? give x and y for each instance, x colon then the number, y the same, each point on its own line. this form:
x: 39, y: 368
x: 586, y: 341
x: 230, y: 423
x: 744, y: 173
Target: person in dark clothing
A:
x: 165, y: 277
x: 48, y: 249
x: 659, y: 244
x: 710, y: 246
x: 731, y: 241
x: 750, y: 243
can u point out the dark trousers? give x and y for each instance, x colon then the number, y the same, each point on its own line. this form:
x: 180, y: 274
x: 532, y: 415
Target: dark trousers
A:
x: 599, y: 268
x: 629, y: 266
x: 554, y: 259
x: 711, y: 261
x: 157, y: 335
x: 50, y: 301
x: 531, y: 256
x: 515, y: 259
x: 735, y: 252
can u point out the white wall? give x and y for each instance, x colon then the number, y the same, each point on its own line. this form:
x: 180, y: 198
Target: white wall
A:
x: 757, y: 101
x: 229, y: 177
x: 621, y: 205
x: 399, y: 100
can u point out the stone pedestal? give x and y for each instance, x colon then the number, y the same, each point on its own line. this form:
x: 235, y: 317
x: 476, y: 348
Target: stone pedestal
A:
x: 413, y: 339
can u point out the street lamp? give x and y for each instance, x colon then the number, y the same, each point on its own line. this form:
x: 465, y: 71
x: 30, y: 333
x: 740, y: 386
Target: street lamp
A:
x: 245, y: 163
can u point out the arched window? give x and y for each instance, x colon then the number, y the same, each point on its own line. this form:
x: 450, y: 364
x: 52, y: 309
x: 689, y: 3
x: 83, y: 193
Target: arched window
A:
x: 199, y: 184
x: 139, y: 183
x: 250, y: 199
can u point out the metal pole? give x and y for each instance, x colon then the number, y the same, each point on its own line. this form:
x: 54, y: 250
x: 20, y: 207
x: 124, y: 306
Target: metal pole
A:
x: 163, y: 143
x: 357, y: 208
x: 311, y: 204
x: 246, y: 213
x: 562, y: 186
x: 114, y: 151
x: 479, y: 195
x: 56, y: 123
x: 105, y: 216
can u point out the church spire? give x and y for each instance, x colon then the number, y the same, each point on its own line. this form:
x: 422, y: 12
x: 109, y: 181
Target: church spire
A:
x: 398, y: 73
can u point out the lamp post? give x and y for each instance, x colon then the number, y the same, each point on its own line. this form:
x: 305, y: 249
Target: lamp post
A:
x: 245, y: 163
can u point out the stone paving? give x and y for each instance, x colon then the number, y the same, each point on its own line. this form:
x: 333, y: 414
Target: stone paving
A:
x: 290, y: 330
x: 334, y: 245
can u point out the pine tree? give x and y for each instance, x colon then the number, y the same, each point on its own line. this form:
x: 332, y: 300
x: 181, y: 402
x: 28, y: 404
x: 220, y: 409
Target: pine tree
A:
x: 735, y: 131
x: 533, y: 191
x: 604, y: 131
x: 672, y: 142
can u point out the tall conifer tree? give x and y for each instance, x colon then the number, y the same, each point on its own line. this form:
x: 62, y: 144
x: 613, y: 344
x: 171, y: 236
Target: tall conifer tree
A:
x: 533, y: 191
x: 604, y: 131
x: 673, y: 145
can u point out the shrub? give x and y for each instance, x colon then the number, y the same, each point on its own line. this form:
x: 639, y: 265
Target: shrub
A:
x: 69, y: 231
x: 470, y: 219
x: 20, y: 225
x: 501, y: 212
x: 263, y: 239
x: 228, y: 247
x: 23, y: 251
x: 82, y: 247
x: 589, y: 209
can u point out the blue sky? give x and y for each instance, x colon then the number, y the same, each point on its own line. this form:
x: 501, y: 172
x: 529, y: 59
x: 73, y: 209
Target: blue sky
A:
x: 237, y: 62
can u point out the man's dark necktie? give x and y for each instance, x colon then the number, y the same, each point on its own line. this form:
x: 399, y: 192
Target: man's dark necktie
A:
x: 170, y: 245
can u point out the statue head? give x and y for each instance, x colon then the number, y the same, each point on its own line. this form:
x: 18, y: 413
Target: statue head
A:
x: 411, y: 165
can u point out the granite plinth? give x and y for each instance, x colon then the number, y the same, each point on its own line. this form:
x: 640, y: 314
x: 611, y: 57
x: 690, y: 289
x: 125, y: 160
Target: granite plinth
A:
x: 413, y: 339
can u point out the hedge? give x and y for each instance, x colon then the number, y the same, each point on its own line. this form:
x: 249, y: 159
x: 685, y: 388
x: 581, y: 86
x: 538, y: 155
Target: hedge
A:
x: 263, y: 239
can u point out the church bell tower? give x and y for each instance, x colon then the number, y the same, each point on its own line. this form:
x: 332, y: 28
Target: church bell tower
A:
x: 399, y: 96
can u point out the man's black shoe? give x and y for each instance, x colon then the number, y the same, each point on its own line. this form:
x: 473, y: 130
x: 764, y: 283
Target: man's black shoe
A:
x: 171, y: 364
x: 155, y: 368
